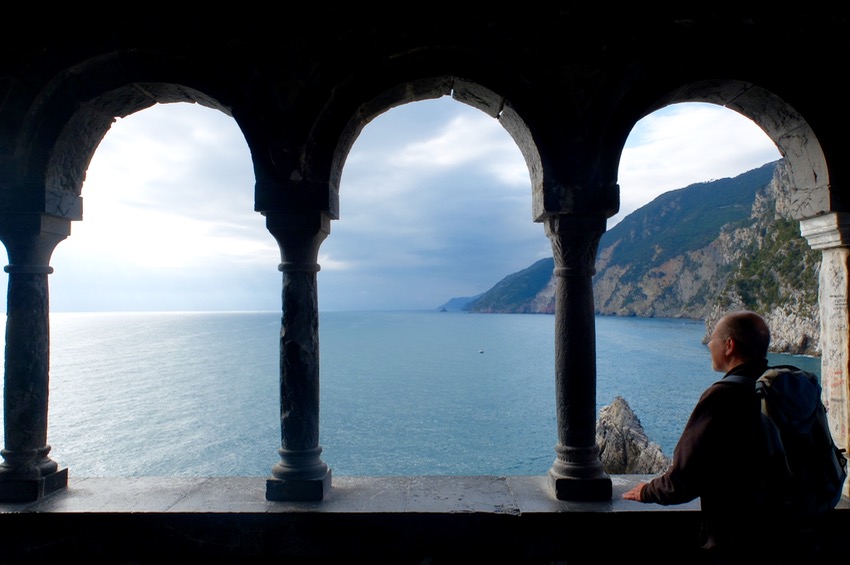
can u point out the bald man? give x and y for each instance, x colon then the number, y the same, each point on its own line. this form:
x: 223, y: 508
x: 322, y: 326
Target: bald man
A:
x: 717, y: 458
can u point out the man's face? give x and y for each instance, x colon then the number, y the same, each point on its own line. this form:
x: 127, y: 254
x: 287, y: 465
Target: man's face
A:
x: 717, y: 348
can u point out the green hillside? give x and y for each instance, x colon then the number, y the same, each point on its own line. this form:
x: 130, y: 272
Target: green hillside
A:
x: 514, y: 292
x: 684, y: 220
x: 684, y: 253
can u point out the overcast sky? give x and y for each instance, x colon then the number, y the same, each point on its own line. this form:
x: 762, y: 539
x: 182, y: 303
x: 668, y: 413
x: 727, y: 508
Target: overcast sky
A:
x: 435, y: 203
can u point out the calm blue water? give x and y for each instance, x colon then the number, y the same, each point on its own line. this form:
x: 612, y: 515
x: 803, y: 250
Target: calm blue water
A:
x: 402, y: 393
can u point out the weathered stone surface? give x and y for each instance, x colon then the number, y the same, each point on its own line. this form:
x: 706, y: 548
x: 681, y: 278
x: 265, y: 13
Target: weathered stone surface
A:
x: 623, y: 445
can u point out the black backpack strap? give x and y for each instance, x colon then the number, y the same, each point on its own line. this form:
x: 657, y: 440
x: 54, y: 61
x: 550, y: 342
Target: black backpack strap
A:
x: 756, y: 385
x: 741, y: 379
x: 759, y: 383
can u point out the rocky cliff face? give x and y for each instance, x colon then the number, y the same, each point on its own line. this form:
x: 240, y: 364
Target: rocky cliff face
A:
x: 759, y: 263
x: 776, y: 275
x: 623, y: 445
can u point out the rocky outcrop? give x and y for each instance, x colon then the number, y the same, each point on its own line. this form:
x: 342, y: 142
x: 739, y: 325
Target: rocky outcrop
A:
x: 623, y: 445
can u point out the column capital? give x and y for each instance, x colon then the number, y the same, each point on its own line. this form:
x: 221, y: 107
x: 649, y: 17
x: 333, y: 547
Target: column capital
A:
x: 30, y: 239
x: 827, y: 231
x: 574, y: 224
x: 575, y: 240
x: 296, y: 194
x: 297, y: 220
x: 299, y: 234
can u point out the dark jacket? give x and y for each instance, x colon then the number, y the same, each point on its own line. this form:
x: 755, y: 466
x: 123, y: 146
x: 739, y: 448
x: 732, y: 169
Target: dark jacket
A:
x: 718, y: 460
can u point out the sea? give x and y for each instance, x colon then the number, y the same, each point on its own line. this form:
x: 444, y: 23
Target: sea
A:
x: 401, y: 392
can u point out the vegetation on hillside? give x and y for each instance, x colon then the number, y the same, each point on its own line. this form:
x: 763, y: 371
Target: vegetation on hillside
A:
x: 773, y: 269
x: 687, y: 253
x: 514, y: 292
x: 683, y: 220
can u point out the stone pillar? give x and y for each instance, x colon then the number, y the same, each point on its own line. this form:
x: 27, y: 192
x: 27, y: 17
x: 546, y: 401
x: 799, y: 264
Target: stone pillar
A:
x: 577, y: 473
x: 300, y: 474
x: 830, y: 233
x: 27, y: 473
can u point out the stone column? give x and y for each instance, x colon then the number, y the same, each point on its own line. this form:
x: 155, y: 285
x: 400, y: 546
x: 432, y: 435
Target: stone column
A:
x: 577, y: 473
x: 830, y: 233
x: 300, y: 474
x: 27, y: 473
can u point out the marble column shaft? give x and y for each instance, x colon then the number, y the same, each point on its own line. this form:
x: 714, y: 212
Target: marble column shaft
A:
x: 577, y: 472
x: 27, y: 472
x: 300, y: 474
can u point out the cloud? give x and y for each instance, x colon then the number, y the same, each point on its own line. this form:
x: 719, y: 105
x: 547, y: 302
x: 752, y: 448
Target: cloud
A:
x: 435, y: 202
x: 428, y: 215
x: 182, y: 157
x: 685, y: 144
x: 469, y: 141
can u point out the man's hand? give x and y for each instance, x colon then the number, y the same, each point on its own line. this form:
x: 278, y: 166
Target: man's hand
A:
x: 635, y: 492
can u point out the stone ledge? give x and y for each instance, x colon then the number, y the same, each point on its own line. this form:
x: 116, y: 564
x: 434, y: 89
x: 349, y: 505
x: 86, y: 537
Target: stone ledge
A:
x: 428, y: 519
x: 421, y: 494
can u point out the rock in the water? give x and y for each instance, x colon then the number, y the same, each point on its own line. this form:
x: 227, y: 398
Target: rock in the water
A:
x: 623, y: 445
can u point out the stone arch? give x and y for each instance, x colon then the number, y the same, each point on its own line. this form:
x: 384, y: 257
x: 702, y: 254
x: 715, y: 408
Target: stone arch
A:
x: 468, y: 77
x: 797, y: 142
x: 463, y: 91
x: 564, y: 177
x: 806, y: 166
x: 73, y: 113
x: 813, y: 163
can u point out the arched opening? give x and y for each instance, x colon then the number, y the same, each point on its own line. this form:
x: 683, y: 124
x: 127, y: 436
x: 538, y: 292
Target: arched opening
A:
x: 147, y: 376
x: 675, y: 265
x: 435, y: 208
x: 168, y: 215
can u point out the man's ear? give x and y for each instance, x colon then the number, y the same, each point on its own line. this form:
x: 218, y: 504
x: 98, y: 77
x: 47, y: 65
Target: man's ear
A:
x: 730, y: 348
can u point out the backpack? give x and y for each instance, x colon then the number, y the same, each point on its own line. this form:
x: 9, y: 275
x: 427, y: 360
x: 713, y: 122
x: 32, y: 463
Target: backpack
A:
x: 805, y: 469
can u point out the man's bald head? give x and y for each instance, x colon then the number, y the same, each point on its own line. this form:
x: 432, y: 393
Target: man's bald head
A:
x: 749, y: 331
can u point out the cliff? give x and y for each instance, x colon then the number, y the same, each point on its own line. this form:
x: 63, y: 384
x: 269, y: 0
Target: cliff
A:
x: 776, y: 273
x: 696, y: 253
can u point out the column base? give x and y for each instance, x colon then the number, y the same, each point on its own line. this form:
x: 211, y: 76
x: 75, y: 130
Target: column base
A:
x: 303, y: 490
x: 596, y: 489
x: 28, y: 490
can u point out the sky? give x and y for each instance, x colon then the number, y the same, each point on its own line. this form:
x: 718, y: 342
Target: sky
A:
x: 435, y: 203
